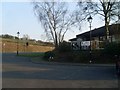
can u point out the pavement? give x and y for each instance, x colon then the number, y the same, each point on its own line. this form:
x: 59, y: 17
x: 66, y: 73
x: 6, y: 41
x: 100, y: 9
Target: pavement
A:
x: 20, y: 72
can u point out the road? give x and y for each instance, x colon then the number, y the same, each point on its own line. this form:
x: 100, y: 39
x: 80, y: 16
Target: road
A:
x: 20, y: 72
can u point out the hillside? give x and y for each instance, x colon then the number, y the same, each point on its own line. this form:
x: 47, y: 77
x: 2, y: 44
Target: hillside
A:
x: 10, y: 45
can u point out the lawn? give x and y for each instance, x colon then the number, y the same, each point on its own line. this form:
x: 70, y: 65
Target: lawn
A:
x: 31, y: 54
x: 35, y: 57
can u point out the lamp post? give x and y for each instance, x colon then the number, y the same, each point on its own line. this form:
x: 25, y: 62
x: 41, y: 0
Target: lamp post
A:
x: 90, y: 21
x: 18, y: 42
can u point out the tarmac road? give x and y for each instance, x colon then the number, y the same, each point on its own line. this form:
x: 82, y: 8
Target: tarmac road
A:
x: 20, y: 72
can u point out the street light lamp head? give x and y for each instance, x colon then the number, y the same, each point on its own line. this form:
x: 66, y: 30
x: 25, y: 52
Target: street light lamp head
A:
x: 89, y: 19
x: 18, y: 32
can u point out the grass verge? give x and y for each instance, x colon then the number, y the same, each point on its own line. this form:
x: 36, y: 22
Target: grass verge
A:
x: 31, y: 55
x: 35, y: 57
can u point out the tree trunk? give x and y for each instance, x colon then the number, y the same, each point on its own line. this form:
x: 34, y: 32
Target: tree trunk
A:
x: 56, y: 41
x: 106, y: 30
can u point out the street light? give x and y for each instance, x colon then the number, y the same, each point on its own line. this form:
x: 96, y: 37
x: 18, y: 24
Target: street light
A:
x: 90, y: 21
x: 18, y: 42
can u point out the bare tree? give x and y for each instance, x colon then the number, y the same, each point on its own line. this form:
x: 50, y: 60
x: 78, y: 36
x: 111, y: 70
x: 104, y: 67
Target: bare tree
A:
x: 106, y: 8
x: 55, y: 19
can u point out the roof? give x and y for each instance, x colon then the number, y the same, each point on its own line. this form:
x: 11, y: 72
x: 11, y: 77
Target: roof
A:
x: 113, y: 29
x: 73, y: 39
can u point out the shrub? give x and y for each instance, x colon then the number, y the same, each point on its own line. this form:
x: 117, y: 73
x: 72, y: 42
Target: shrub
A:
x: 7, y: 36
x: 48, y: 54
x: 112, y: 49
x: 97, y: 56
x: 64, y: 47
x: 82, y: 56
x: 100, y: 57
x: 63, y: 57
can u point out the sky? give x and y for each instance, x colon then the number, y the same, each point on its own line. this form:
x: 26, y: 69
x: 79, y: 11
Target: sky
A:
x: 19, y: 16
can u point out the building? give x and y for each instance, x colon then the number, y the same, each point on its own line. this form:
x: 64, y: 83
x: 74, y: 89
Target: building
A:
x: 82, y: 41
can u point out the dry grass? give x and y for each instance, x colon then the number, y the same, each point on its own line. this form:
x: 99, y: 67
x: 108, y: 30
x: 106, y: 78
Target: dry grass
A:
x: 11, y: 46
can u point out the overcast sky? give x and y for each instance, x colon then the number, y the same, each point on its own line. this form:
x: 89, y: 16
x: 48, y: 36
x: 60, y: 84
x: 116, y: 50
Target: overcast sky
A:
x: 19, y: 16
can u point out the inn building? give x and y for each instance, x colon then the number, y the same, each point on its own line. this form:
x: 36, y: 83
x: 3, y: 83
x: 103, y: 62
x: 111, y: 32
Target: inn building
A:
x: 82, y: 41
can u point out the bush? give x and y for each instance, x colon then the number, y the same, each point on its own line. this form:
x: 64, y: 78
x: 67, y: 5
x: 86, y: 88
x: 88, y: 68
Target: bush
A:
x: 48, y: 54
x: 81, y: 56
x: 112, y: 49
x: 100, y: 57
x: 64, y: 47
x: 97, y: 56
x: 64, y: 57
x: 8, y: 36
